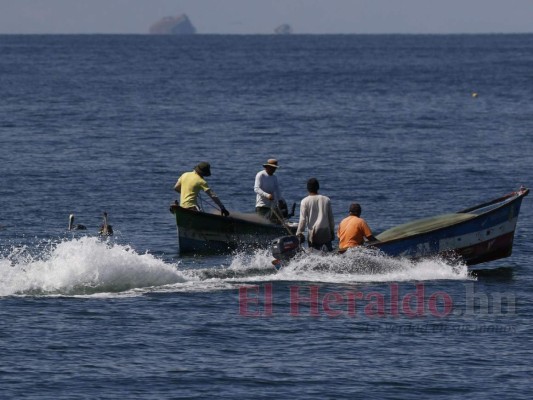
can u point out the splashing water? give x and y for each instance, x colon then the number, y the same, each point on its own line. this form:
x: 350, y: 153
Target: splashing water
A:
x: 90, y: 266
x: 82, y: 266
x: 356, y: 265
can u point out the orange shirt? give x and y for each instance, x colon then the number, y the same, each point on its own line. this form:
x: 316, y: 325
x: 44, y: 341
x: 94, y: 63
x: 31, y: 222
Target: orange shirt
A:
x: 352, y: 231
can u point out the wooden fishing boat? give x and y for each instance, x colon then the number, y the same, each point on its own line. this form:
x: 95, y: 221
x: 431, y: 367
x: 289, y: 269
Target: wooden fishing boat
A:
x: 475, y: 235
x: 203, y: 232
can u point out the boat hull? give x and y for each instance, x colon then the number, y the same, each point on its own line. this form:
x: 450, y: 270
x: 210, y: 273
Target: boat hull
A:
x: 486, y: 236
x: 206, y: 233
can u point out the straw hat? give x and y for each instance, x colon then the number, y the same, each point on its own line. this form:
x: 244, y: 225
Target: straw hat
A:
x: 272, y: 162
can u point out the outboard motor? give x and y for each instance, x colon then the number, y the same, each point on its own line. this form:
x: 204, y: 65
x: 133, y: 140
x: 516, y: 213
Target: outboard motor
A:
x: 285, y: 248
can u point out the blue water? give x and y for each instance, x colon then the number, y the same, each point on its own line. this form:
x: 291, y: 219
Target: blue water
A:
x: 99, y: 123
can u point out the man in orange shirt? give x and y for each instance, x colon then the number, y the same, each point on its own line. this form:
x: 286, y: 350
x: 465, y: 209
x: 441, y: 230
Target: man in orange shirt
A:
x: 353, y: 230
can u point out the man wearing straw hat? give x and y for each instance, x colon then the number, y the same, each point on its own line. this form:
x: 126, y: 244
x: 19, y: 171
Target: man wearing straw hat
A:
x: 266, y: 187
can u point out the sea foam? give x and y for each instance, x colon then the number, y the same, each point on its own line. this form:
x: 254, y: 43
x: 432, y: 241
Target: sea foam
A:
x: 91, y: 266
x: 356, y: 265
x: 81, y: 266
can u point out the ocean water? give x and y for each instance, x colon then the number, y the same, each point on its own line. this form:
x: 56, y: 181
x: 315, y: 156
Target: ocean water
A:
x: 97, y: 123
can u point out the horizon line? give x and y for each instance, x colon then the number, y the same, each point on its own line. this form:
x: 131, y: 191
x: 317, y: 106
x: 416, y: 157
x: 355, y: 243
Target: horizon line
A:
x: 263, y: 34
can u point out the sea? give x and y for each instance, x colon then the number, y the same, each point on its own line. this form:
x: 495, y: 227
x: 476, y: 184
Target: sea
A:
x: 408, y: 126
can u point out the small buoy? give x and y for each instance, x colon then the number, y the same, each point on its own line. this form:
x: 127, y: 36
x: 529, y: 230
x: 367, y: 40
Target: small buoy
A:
x: 474, y: 94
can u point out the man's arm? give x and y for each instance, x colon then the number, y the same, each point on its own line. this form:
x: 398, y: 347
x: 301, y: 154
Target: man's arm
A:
x: 368, y: 233
x: 217, y: 201
x: 372, y: 238
x: 177, y: 186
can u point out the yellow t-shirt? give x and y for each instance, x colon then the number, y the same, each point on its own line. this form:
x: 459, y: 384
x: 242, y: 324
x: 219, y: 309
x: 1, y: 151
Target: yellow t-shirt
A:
x: 191, y: 184
x: 352, y: 231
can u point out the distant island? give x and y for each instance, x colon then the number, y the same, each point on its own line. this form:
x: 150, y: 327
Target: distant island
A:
x: 284, y: 29
x: 180, y: 25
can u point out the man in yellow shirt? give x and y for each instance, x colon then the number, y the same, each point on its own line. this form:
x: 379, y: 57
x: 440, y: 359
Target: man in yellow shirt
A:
x: 353, y: 229
x: 189, y: 185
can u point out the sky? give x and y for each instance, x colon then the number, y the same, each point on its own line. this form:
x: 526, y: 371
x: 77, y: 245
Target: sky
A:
x: 263, y: 16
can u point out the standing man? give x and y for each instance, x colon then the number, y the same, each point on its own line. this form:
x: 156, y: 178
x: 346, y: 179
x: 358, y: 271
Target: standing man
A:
x: 189, y: 185
x: 353, y: 229
x: 267, y: 189
x: 317, y: 216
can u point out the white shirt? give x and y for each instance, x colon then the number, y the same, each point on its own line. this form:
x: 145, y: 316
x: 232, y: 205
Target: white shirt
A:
x: 264, y: 185
x: 317, y: 216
